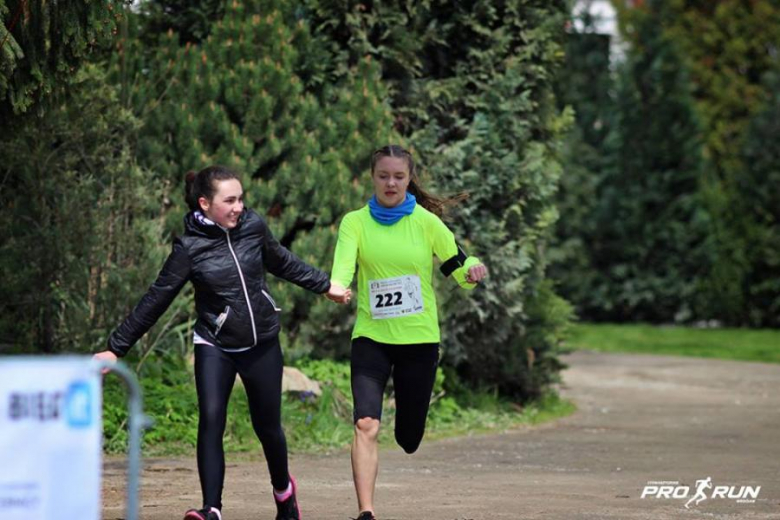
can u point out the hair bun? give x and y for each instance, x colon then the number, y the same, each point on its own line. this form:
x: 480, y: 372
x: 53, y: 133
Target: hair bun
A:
x: 202, y: 184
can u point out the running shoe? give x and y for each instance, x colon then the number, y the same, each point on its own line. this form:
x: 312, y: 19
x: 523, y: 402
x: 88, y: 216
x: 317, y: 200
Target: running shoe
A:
x: 366, y: 515
x: 288, y: 510
x: 201, y: 514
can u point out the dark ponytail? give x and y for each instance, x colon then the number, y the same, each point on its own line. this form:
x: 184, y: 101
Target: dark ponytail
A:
x: 435, y: 204
x: 201, y: 184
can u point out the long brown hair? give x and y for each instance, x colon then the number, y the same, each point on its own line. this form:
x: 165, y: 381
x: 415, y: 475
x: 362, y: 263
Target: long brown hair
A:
x: 433, y: 203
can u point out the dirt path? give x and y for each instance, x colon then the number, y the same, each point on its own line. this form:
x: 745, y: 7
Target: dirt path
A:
x: 640, y: 419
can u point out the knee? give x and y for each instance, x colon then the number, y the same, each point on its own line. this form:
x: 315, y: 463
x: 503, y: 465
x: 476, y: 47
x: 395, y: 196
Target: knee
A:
x: 213, y: 417
x: 367, y: 428
x: 271, y: 438
x: 408, y: 442
x: 268, y: 432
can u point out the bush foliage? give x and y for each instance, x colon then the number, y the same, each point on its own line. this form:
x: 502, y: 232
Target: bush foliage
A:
x: 295, y: 96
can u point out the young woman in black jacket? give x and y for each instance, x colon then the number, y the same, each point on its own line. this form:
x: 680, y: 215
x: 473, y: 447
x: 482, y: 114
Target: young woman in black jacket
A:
x: 225, y: 251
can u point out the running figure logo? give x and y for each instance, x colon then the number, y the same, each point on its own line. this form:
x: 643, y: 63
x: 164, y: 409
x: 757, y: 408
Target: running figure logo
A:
x: 411, y: 290
x: 700, y: 495
x: 674, y: 490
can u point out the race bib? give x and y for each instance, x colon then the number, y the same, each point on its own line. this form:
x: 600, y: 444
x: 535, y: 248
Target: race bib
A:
x: 395, y: 297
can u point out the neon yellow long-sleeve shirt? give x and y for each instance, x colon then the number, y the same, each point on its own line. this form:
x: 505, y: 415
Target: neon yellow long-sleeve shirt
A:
x: 396, y: 301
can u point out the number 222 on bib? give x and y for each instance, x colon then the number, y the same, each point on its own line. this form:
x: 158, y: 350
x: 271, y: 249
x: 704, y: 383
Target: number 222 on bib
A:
x: 395, y: 297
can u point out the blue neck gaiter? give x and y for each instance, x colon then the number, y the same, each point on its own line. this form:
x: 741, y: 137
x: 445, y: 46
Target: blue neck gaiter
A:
x: 389, y: 216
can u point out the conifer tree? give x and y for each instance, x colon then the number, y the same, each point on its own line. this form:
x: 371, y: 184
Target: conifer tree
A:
x: 191, y: 20
x: 648, y: 244
x: 250, y: 96
x: 761, y: 186
x: 471, y: 87
x: 586, y: 85
x: 728, y: 46
x: 43, y: 43
x: 80, y: 235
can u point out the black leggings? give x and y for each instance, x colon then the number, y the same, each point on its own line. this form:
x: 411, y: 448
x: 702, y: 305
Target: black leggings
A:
x: 260, y: 369
x: 413, y: 368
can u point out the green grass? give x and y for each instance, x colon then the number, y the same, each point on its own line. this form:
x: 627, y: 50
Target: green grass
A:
x: 325, y: 423
x: 312, y: 425
x: 737, y: 344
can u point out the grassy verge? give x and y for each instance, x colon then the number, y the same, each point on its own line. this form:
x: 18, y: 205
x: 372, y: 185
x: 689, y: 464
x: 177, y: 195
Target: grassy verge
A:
x: 737, y: 344
x: 311, y: 424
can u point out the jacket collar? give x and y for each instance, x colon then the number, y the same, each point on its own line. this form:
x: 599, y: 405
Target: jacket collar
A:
x: 195, y: 223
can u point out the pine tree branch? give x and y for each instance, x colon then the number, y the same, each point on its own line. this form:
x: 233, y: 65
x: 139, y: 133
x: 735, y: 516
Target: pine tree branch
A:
x: 13, y: 23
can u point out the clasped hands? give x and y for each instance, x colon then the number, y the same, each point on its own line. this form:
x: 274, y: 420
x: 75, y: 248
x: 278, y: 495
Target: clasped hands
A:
x: 339, y: 294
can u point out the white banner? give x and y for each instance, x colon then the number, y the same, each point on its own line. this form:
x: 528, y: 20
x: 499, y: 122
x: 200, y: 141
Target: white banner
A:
x: 50, y: 438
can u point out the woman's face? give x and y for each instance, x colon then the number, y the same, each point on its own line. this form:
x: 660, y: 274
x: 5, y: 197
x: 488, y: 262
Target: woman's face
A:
x: 227, y: 204
x: 391, y: 179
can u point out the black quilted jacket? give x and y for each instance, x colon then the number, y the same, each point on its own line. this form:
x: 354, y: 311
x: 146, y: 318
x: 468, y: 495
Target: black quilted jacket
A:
x: 227, y: 268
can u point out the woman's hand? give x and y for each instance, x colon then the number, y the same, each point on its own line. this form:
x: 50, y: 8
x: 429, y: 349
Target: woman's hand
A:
x: 338, y: 294
x: 476, y: 273
x: 107, y: 356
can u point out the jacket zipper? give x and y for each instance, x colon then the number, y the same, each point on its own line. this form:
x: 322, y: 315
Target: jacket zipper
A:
x: 271, y: 301
x: 243, y: 285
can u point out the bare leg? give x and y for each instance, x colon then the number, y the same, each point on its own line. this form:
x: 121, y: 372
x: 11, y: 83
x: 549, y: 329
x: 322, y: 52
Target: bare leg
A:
x: 365, y: 461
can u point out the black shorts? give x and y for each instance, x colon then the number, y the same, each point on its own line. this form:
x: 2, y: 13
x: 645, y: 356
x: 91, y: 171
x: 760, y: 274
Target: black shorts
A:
x: 413, y: 368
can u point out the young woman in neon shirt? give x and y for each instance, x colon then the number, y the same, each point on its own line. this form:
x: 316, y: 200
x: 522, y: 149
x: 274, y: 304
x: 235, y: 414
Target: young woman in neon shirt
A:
x: 393, y: 240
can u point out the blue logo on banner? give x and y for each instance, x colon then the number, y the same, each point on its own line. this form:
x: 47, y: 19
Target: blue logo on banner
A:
x: 78, y: 405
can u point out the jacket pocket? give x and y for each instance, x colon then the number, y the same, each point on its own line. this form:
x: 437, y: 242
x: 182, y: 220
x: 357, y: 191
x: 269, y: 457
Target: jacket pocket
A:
x: 220, y: 321
x: 271, y: 300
